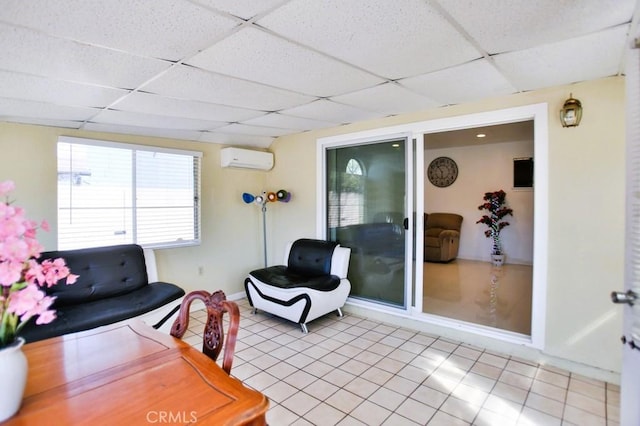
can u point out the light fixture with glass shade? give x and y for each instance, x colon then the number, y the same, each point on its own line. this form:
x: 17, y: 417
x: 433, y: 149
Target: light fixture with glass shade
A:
x: 571, y: 112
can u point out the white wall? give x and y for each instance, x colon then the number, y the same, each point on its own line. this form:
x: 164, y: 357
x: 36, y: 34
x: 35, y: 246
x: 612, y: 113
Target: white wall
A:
x: 485, y: 168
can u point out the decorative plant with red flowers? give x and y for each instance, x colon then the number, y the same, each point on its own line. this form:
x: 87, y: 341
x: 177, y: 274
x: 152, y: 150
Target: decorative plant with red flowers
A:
x: 494, y: 204
x: 22, y: 277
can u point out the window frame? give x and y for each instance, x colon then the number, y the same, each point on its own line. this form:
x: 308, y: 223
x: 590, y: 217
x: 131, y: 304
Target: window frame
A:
x: 133, y: 148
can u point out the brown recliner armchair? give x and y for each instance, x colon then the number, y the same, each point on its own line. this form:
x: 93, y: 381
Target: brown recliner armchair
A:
x: 441, y: 236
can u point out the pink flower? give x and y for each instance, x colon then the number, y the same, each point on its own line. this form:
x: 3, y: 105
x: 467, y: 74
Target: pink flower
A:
x: 21, y: 275
x: 6, y: 187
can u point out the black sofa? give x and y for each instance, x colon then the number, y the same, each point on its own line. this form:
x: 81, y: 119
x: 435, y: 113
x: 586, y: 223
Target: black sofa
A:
x: 112, y: 286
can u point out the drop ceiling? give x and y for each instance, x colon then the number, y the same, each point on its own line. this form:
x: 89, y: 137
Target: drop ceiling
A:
x: 244, y: 72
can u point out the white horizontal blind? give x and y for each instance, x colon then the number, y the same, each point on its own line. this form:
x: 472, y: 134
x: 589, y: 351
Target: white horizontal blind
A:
x: 112, y: 193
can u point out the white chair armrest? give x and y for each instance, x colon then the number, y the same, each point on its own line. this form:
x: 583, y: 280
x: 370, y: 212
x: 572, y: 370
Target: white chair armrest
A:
x: 340, y: 261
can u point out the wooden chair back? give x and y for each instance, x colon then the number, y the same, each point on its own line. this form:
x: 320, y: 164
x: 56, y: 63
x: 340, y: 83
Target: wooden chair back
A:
x: 213, y: 337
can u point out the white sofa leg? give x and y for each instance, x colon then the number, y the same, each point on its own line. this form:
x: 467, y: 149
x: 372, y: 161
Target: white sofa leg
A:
x: 304, y: 328
x: 340, y: 312
x: 254, y: 311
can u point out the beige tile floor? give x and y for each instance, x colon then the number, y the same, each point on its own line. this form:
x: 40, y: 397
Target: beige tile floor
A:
x: 356, y: 371
x: 479, y: 293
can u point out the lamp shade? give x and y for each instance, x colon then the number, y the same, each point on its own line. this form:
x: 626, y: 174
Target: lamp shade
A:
x: 248, y: 198
x: 283, y: 196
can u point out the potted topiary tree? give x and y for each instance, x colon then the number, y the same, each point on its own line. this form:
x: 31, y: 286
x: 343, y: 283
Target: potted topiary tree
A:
x: 494, y: 204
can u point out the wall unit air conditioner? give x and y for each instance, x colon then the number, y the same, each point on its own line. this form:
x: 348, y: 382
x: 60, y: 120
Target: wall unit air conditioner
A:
x: 246, y: 158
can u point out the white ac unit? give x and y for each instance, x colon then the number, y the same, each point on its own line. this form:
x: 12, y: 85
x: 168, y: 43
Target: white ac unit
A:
x: 246, y: 158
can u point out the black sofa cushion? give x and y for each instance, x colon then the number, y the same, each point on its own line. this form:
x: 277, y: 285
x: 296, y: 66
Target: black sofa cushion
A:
x: 85, y: 316
x: 103, y: 272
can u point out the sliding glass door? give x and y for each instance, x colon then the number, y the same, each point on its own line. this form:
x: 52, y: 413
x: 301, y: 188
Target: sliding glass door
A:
x: 366, y: 201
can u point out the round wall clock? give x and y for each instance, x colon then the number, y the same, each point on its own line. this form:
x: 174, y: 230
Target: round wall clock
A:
x: 442, y: 172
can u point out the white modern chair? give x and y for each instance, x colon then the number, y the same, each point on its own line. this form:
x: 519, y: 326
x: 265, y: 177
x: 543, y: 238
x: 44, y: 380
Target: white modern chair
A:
x: 312, y: 284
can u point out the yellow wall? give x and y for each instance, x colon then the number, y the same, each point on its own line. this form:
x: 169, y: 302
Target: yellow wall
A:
x: 586, y: 209
x: 231, y: 236
x: 586, y: 212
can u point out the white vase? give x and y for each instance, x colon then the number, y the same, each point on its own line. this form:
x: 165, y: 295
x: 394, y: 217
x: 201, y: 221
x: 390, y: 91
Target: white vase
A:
x: 497, y: 259
x: 13, y: 376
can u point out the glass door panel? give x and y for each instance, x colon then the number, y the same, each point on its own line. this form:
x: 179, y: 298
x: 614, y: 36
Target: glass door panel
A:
x: 366, y: 211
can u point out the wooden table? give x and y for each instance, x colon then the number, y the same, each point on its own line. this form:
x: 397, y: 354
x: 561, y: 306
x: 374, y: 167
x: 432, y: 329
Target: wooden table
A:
x: 131, y: 374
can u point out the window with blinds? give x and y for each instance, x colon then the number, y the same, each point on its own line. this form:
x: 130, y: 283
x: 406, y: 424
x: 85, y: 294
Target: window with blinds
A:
x: 111, y: 193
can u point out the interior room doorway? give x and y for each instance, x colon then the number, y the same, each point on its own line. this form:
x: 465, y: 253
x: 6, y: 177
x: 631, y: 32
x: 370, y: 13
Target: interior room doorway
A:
x: 459, y: 280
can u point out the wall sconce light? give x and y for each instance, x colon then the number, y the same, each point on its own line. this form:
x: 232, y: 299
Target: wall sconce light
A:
x: 571, y: 112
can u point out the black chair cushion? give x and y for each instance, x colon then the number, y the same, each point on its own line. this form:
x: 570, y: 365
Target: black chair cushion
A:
x: 311, y: 258
x: 283, y: 277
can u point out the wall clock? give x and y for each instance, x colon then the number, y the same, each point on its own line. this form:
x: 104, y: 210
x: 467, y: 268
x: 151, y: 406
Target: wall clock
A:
x: 442, y: 172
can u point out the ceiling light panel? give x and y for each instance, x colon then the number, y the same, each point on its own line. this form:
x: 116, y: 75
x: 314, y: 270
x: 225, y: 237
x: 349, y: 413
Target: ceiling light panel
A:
x: 255, y: 55
x: 161, y: 105
x: 583, y: 58
x: 522, y: 24
x: 464, y: 83
x: 28, y: 87
x: 166, y: 29
x: 23, y: 50
x: 191, y: 83
x: 392, y: 39
x: 387, y: 99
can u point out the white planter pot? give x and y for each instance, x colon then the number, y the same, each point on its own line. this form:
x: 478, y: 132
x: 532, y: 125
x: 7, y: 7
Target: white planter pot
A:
x: 497, y: 259
x: 13, y: 376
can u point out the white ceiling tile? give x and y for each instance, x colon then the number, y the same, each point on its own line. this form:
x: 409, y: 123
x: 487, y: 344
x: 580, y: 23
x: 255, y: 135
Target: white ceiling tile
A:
x: 143, y: 131
x: 28, y: 87
x: 26, y: 51
x: 464, y: 83
x: 327, y: 110
x: 244, y: 129
x: 160, y: 105
x: 502, y: 26
x: 583, y: 58
x: 191, y: 83
x: 237, y: 139
x: 387, y: 99
x: 255, y: 55
x: 151, y: 120
x: 165, y: 29
x: 245, y: 9
x: 288, y: 122
x: 31, y: 109
x: 392, y: 39
x: 67, y: 124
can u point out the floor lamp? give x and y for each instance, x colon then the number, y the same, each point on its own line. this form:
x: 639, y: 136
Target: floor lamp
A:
x: 262, y: 200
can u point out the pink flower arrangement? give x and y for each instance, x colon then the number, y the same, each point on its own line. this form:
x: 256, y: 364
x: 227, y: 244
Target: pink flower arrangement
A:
x: 22, y: 277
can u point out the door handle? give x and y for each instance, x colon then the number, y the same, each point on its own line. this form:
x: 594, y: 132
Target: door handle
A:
x: 619, y: 297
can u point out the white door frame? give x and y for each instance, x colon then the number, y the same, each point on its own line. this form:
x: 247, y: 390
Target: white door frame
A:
x: 536, y: 112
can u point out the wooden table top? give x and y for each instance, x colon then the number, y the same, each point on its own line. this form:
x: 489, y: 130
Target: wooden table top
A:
x: 129, y: 373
